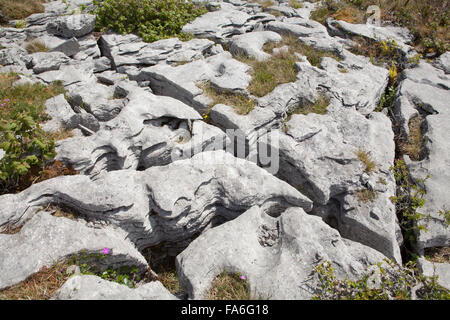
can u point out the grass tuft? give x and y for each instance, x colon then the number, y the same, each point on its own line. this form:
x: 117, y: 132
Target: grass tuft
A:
x: 241, y: 103
x: 36, y: 45
x: 366, y: 195
x: 364, y: 157
x: 39, y: 286
x: 229, y: 286
x: 413, y: 145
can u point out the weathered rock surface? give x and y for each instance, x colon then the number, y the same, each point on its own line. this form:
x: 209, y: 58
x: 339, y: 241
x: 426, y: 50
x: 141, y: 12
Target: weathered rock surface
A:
x: 276, y: 254
x: 432, y: 269
x: 45, y: 239
x: 77, y: 25
x: 251, y: 44
x: 318, y: 155
x: 182, y: 82
x: 95, y: 288
x: 425, y: 91
x: 169, y: 203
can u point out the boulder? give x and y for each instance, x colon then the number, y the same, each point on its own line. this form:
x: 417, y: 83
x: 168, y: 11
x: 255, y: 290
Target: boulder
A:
x: 70, y: 26
x: 277, y: 254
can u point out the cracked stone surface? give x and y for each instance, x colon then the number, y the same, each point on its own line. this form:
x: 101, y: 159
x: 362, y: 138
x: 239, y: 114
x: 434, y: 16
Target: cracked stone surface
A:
x: 149, y: 144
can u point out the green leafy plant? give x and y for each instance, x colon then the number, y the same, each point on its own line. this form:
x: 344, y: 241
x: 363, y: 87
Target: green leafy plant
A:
x: 150, y: 19
x: 20, y: 24
x: 383, y: 281
x: 387, y: 99
x: 24, y: 143
x: 92, y: 264
x: 409, y: 198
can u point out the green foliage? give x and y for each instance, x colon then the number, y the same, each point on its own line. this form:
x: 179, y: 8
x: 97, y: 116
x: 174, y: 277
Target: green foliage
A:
x: 150, y: 19
x: 446, y: 215
x: 409, y: 198
x: 22, y: 139
x: 92, y: 264
x: 387, y: 99
x: 383, y: 281
x: 25, y: 145
x: 21, y: 24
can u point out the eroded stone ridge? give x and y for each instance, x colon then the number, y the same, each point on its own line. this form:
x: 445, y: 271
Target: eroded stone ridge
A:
x: 159, y: 166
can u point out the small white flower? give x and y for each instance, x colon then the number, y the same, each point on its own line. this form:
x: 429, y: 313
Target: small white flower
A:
x: 2, y: 154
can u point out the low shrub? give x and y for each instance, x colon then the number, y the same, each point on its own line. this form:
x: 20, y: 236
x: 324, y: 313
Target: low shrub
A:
x: 150, y: 19
x: 25, y: 145
x: 388, y: 281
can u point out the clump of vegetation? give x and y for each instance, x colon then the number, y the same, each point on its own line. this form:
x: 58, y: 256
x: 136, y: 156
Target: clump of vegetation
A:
x: 39, y: 286
x: 295, y: 4
x: 413, y: 145
x: 150, y: 19
x: 388, y: 281
x: 19, y: 9
x: 319, y: 106
x: 280, y: 68
x: 229, y: 286
x: 43, y: 284
x: 24, y: 143
x: 438, y: 254
x: 427, y: 20
x: 36, y: 45
x: 446, y: 215
x: 409, y: 198
x: 366, y: 195
x: 313, y: 55
x: 364, y: 157
x: 387, y: 99
x: 240, y: 102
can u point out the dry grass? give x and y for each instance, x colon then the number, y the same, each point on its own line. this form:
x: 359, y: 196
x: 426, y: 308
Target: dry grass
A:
x: 413, y: 146
x: 36, y: 45
x: 61, y: 134
x: 60, y: 212
x: 19, y: 9
x: 169, y: 279
x: 241, y: 103
x: 427, y: 20
x: 229, y: 286
x: 438, y: 254
x: 39, y: 286
x: 280, y: 68
x: 364, y: 157
x: 12, y: 230
x: 366, y: 195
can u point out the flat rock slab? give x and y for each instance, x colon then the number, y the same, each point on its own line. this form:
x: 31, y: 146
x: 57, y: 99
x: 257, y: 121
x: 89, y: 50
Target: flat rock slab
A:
x: 95, y: 288
x: 44, y: 240
x: 251, y: 44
